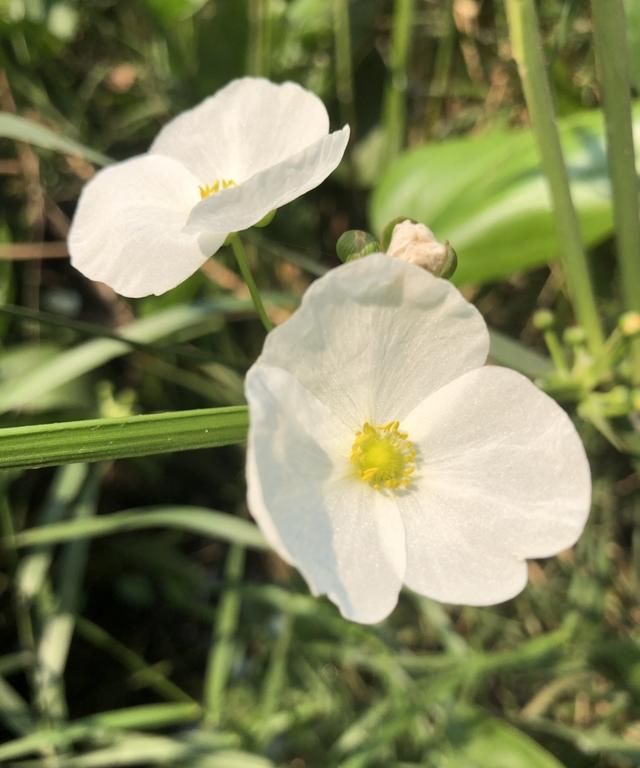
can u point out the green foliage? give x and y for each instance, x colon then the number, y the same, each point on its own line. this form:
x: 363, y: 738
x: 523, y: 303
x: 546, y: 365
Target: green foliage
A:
x: 488, y: 196
x: 141, y: 626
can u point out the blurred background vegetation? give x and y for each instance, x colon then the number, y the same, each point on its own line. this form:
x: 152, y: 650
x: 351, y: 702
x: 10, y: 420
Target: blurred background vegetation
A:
x: 170, y: 642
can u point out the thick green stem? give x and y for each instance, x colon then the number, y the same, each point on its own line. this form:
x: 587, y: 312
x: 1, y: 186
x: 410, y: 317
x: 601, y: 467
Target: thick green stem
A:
x: 221, y: 652
x: 609, y: 27
x: 527, y: 50
x: 395, y: 108
x: 241, y: 257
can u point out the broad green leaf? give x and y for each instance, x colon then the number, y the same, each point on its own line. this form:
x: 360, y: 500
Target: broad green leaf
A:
x: 488, y: 197
x: 22, y: 390
x: 478, y: 741
x: 205, y: 522
x: 89, y: 440
x: 22, y: 129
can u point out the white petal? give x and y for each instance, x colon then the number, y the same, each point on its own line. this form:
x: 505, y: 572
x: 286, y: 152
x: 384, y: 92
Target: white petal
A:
x: 502, y: 476
x: 346, y: 539
x: 374, y: 337
x: 243, y: 206
x: 127, y: 229
x: 247, y: 126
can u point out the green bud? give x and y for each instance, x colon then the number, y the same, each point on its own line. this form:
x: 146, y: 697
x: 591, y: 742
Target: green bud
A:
x: 543, y: 320
x: 635, y: 400
x: 451, y: 264
x: 356, y: 243
x: 629, y: 324
x: 618, y: 396
x: 574, y: 336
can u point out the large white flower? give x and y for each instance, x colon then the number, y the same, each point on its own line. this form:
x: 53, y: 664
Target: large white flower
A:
x: 146, y: 224
x: 382, y: 451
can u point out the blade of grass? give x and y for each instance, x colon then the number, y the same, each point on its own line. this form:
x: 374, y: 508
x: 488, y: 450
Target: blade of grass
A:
x: 610, y: 35
x: 90, y: 440
x: 205, y: 522
x: 395, y: 106
x: 275, y: 676
x: 22, y: 129
x: 145, y: 674
x: 57, y: 628
x: 14, y: 711
x: 344, y: 69
x: 32, y: 570
x: 146, y: 716
x: 222, y: 647
x: 512, y: 353
x: 527, y: 50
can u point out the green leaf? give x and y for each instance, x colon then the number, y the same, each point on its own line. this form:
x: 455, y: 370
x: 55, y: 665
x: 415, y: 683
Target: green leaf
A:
x: 44, y: 445
x: 488, y: 197
x: 22, y: 129
x: 205, y: 522
x: 478, y: 741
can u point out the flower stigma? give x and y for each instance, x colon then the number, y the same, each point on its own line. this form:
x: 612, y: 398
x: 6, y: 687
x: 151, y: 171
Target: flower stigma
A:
x: 383, y: 456
x: 206, y: 190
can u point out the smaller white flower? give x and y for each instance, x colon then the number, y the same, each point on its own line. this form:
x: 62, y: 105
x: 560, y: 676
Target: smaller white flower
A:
x: 146, y: 224
x: 383, y: 451
x: 416, y: 243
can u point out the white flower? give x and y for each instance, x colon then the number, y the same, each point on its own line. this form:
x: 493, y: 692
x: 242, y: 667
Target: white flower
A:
x: 144, y: 225
x: 382, y: 451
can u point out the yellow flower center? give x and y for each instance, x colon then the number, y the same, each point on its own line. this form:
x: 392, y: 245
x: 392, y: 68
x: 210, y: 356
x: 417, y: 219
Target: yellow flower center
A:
x: 383, y: 456
x: 206, y: 190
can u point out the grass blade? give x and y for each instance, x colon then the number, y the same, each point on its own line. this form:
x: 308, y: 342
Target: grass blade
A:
x: 90, y: 440
x: 22, y: 129
x: 205, y: 522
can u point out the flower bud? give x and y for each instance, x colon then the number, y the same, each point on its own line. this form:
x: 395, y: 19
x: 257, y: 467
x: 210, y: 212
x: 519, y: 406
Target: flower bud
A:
x: 574, y: 336
x: 415, y: 243
x: 629, y: 324
x: 356, y: 243
x: 543, y: 320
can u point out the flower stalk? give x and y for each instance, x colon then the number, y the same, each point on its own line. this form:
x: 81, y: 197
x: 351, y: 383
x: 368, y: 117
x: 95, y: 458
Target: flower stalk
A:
x: 245, y: 270
x: 527, y: 50
x: 609, y: 32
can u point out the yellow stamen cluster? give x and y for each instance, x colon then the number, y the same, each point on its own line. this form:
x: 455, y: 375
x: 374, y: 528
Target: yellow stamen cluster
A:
x: 206, y: 190
x: 383, y: 456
